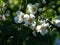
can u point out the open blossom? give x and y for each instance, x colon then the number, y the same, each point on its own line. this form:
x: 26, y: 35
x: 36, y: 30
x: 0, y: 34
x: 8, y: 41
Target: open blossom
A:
x: 29, y: 19
x: 56, y: 22
x: 20, y: 17
x: 32, y: 8
x: 42, y: 28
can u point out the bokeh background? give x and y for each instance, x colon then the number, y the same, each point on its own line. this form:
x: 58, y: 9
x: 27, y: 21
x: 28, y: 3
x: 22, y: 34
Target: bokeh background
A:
x: 12, y: 34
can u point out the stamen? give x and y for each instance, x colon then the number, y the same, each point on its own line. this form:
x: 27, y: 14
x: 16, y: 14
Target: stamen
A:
x: 42, y: 28
x: 33, y: 9
x: 30, y: 20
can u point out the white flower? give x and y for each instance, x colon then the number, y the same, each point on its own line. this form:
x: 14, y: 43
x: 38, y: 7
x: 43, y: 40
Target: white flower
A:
x: 40, y: 9
x: 41, y: 21
x: 42, y: 28
x: 26, y: 16
x: 32, y: 9
x: 43, y: 1
x: 29, y: 19
x: 19, y: 18
x: 56, y: 22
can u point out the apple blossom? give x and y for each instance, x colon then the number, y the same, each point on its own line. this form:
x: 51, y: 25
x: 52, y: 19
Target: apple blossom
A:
x: 42, y: 28
x: 29, y: 19
x: 56, y: 22
x: 32, y: 8
x: 19, y: 18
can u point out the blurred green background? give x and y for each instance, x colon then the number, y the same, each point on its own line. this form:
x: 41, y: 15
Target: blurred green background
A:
x: 9, y: 30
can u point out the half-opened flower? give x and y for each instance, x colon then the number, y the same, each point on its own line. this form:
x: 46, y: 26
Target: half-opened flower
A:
x: 32, y: 9
x: 42, y: 28
x: 19, y: 18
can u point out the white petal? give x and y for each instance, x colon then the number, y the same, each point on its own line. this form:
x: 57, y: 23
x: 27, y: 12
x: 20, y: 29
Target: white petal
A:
x: 43, y: 32
x: 32, y: 16
x: 57, y: 21
x: 18, y: 19
x: 38, y: 27
x: 29, y: 5
x: 41, y: 21
x: 46, y: 25
x: 26, y: 16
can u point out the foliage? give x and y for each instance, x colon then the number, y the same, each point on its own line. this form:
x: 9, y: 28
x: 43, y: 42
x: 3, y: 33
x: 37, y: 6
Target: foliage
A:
x: 12, y: 33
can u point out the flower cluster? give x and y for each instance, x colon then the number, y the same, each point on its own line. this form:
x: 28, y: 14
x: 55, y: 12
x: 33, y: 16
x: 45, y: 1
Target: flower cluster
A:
x: 30, y: 19
x: 29, y: 22
x: 41, y: 24
x: 33, y: 19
